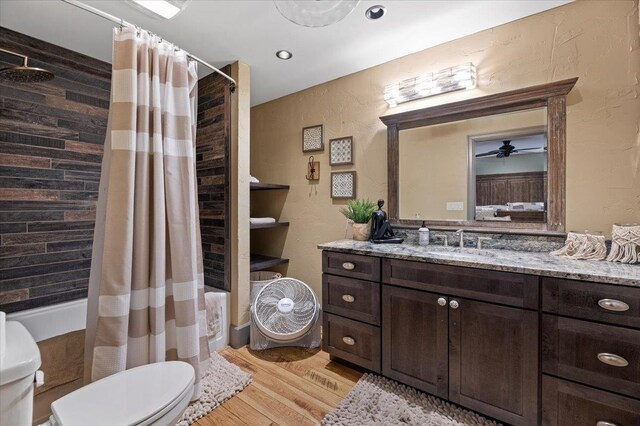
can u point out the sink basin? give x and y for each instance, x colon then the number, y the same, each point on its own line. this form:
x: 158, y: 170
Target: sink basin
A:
x: 460, y: 252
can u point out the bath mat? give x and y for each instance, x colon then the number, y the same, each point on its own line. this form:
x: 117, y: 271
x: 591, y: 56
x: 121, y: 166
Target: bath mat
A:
x: 376, y: 400
x: 221, y: 381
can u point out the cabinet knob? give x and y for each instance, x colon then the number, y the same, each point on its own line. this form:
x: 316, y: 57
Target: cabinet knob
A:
x: 612, y: 359
x: 454, y: 304
x: 348, y: 298
x: 349, y: 340
x: 605, y: 423
x: 613, y: 305
x: 348, y: 266
x: 442, y: 301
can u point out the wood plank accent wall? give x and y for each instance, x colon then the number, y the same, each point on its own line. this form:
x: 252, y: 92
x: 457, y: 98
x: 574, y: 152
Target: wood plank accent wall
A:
x: 212, y: 156
x: 51, y: 141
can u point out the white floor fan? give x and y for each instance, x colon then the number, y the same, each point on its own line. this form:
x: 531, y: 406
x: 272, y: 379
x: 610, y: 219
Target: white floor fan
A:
x: 284, y: 312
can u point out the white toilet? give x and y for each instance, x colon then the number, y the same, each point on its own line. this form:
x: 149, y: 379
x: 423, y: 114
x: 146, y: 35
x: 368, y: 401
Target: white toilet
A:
x: 155, y: 394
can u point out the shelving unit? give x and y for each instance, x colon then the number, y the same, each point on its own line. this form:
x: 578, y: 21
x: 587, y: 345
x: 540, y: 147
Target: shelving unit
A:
x: 259, y: 262
x: 266, y: 186
x: 268, y: 225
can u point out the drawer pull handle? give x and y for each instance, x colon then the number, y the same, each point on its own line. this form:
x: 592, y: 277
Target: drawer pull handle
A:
x: 349, y: 340
x: 348, y: 298
x: 612, y: 359
x: 348, y: 266
x: 613, y: 305
x: 605, y: 423
x: 442, y: 301
x: 454, y: 304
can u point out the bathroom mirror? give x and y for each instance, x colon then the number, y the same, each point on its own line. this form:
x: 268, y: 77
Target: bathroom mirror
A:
x: 491, y: 168
x: 495, y: 161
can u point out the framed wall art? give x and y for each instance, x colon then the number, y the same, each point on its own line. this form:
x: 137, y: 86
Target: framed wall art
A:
x: 341, y: 151
x: 343, y: 185
x: 312, y: 139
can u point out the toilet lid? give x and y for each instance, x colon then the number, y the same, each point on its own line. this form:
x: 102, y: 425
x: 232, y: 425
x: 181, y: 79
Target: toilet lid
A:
x: 126, y: 398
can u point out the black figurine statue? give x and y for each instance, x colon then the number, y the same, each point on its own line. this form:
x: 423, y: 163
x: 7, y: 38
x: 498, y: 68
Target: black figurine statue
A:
x: 381, y: 231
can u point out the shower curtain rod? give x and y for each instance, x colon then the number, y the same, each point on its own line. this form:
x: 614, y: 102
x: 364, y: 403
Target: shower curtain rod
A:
x: 122, y: 22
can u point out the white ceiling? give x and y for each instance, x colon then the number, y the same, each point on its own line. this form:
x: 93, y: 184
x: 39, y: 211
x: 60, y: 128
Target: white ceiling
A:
x: 222, y: 32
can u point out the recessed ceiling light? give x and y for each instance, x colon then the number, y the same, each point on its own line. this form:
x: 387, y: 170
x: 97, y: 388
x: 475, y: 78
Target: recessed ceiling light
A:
x: 165, y: 8
x: 284, y: 54
x: 375, y: 12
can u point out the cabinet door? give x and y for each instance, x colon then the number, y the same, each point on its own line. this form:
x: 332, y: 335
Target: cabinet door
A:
x: 493, y: 360
x: 414, y: 339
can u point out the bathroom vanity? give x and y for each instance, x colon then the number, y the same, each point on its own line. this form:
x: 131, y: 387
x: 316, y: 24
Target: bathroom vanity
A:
x: 524, y: 338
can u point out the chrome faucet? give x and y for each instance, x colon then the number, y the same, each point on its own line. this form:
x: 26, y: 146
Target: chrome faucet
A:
x: 461, y: 232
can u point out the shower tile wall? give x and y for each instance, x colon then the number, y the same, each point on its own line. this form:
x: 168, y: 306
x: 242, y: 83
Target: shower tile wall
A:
x: 51, y: 137
x: 212, y: 155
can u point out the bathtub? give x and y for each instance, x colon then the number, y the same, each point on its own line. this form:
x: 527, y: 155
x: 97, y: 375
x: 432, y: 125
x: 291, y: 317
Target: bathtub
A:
x: 62, y: 318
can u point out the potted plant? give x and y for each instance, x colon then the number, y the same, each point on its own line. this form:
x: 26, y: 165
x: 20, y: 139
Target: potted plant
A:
x: 359, y: 212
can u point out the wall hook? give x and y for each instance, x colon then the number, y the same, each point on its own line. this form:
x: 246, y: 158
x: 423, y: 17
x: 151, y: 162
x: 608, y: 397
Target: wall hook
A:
x: 313, y: 169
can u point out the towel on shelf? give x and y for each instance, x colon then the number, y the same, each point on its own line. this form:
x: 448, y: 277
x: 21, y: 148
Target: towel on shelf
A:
x: 213, y: 305
x: 257, y: 220
x: 253, y: 179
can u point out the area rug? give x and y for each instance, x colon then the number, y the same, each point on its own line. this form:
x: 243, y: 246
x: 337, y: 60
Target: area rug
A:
x: 376, y: 400
x: 221, y: 381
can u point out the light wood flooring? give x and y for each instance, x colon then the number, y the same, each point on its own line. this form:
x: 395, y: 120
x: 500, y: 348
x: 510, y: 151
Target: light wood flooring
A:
x: 291, y: 386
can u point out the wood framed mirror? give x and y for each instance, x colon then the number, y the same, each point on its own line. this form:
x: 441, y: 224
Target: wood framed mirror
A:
x: 463, y: 163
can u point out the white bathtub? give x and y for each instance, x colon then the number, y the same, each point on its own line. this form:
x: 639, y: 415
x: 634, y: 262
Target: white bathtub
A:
x: 62, y: 318
x: 215, y: 344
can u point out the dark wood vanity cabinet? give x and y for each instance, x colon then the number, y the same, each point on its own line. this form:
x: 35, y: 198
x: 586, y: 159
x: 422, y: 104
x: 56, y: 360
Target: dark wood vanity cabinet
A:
x: 493, y: 360
x: 421, y: 318
x: 522, y: 349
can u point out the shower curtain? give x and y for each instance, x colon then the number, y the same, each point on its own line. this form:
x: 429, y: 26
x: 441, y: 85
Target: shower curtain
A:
x: 146, y: 290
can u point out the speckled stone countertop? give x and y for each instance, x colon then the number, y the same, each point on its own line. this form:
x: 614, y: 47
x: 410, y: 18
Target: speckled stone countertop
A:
x: 535, y: 263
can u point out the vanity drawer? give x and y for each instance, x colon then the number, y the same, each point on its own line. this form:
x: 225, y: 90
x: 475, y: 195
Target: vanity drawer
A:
x: 570, y: 404
x: 353, y: 341
x: 505, y: 288
x: 591, y: 353
x: 613, y: 304
x: 351, y: 298
x: 351, y: 265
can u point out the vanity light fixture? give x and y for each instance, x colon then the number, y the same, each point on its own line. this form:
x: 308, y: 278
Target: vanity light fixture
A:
x: 375, y: 12
x: 460, y: 77
x: 284, y: 55
x: 164, y: 8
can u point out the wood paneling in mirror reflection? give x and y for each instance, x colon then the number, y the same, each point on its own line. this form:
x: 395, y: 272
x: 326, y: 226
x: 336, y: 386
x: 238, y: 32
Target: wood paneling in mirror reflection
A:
x: 51, y: 142
x: 500, y: 189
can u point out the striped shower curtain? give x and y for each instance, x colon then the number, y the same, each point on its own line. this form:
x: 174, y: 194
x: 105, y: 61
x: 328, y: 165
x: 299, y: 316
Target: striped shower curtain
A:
x: 146, y: 291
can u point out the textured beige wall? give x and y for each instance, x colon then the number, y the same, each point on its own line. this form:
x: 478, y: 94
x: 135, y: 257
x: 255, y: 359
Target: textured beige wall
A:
x: 240, y: 134
x: 434, y: 162
x: 596, y: 41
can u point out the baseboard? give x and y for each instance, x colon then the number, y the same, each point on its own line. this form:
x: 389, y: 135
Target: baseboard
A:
x: 239, y: 336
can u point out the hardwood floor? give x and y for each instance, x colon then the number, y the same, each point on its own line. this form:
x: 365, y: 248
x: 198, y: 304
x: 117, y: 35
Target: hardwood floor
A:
x: 291, y: 386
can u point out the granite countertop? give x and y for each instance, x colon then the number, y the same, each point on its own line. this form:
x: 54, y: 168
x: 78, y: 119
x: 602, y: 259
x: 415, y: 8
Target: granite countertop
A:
x: 535, y: 263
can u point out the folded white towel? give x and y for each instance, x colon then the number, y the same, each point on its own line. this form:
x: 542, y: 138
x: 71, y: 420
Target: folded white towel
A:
x: 253, y: 179
x: 257, y: 220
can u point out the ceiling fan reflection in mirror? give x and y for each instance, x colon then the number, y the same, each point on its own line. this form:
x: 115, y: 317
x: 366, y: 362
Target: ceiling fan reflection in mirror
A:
x: 507, y: 149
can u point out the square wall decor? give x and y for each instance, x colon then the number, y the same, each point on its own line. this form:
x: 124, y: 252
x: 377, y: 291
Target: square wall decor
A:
x: 343, y: 185
x: 341, y: 151
x: 312, y: 139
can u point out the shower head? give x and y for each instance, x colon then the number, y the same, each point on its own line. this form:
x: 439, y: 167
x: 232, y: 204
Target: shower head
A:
x: 24, y: 73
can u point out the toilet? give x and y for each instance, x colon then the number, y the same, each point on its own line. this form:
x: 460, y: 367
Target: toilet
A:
x: 155, y: 394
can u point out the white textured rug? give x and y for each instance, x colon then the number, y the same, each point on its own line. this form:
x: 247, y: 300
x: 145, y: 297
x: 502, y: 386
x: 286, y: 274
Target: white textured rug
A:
x: 221, y: 381
x: 376, y: 400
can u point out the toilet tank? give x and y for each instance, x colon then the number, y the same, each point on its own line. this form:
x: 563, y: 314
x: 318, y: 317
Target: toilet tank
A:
x: 18, y: 365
